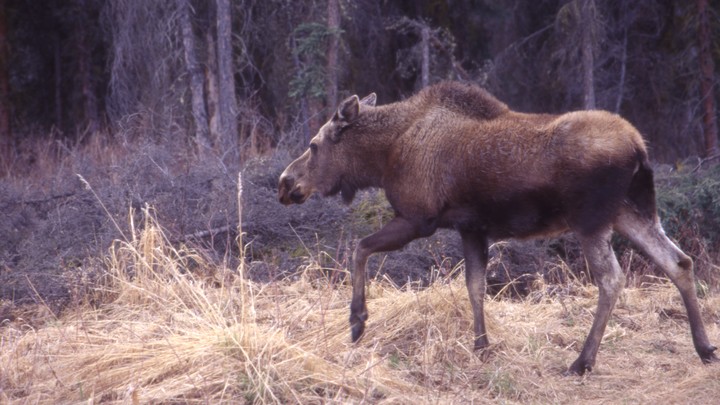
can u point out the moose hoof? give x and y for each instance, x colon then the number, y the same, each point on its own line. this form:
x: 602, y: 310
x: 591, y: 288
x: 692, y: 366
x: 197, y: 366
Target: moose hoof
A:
x: 708, y: 356
x: 483, y: 353
x: 579, y: 367
x: 357, y: 324
x: 481, y: 343
x: 357, y: 329
x: 482, y: 349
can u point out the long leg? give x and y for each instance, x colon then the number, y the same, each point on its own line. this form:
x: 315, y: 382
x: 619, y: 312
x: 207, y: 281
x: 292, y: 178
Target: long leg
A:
x: 394, y: 235
x: 649, y: 236
x: 475, y: 248
x: 610, y: 280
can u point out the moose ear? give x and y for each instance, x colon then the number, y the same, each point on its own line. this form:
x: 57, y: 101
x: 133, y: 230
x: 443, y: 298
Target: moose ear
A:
x: 349, y: 109
x: 369, y: 100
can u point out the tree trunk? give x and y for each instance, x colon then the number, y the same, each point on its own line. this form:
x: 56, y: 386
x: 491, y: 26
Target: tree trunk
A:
x: 587, y: 13
x: 5, y: 134
x: 623, y: 68
x: 84, y: 60
x: 425, y: 44
x: 202, y: 130
x: 304, y: 110
x: 333, y: 9
x: 227, y: 103
x: 707, y: 80
x: 211, y: 81
x: 57, y: 72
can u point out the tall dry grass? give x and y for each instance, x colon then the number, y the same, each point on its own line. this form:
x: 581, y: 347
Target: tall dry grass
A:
x: 167, y: 327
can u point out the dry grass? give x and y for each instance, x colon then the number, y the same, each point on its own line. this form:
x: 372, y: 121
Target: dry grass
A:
x: 168, y: 328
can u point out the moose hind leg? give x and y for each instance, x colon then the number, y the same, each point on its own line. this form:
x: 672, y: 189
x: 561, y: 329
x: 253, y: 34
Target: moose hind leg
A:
x: 610, y: 280
x: 475, y: 248
x: 648, y: 235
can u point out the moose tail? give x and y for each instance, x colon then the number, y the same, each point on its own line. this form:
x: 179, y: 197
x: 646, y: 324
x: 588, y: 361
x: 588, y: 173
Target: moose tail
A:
x: 641, y: 194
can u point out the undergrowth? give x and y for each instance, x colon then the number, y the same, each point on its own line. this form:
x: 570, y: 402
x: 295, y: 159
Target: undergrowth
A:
x: 689, y: 207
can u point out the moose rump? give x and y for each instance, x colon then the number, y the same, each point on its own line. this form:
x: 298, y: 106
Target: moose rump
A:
x: 453, y: 156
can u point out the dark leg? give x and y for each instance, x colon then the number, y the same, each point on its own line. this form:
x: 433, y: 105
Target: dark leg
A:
x: 610, y: 280
x: 394, y: 235
x: 649, y: 236
x: 475, y: 248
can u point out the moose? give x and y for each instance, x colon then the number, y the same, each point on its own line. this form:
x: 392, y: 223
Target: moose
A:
x: 454, y: 156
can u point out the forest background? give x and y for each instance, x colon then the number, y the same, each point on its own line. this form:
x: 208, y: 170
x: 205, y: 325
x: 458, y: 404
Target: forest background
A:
x: 171, y: 70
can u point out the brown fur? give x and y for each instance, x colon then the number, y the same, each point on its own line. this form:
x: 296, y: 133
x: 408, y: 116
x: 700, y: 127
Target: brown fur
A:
x: 454, y: 156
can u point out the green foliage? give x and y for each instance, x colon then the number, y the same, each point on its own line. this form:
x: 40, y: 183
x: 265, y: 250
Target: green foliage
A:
x: 372, y: 210
x: 310, y: 39
x: 689, y: 208
x: 308, y: 83
x: 502, y: 383
x: 309, y: 43
x: 693, y: 199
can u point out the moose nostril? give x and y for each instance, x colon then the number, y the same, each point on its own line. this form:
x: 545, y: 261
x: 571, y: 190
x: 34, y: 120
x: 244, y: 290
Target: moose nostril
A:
x: 287, y: 181
x: 285, y: 189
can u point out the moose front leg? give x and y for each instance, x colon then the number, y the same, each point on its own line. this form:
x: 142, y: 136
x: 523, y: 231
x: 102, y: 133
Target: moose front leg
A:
x: 394, y: 235
x: 475, y: 249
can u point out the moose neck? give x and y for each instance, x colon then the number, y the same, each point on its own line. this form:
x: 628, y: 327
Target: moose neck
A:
x: 375, y: 134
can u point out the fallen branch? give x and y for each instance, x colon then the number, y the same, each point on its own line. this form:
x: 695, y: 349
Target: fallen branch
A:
x: 703, y: 161
x: 209, y: 232
x: 47, y: 199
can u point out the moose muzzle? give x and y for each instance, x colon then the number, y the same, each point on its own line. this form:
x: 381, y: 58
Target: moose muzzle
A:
x: 289, y: 191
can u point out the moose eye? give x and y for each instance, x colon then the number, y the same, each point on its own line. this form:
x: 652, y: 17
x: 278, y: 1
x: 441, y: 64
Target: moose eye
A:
x: 313, y: 148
